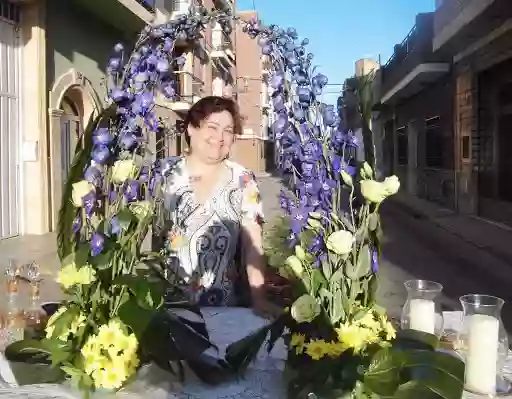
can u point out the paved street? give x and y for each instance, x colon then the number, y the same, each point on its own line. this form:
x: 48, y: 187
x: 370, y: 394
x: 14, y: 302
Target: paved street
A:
x: 414, y: 247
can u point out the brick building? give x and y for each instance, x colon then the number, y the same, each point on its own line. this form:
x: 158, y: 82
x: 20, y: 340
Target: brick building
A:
x: 446, y: 107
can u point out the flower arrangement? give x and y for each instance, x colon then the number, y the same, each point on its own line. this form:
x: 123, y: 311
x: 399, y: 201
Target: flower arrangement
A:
x: 118, y: 316
x: 340, y: 342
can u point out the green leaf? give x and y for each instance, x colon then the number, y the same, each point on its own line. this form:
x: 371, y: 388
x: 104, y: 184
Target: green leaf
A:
x: 337, y: 275
x: 135, y: 316
x: 381, y: 376
x: 326, y: 268
x: 125, y: 217
x: 337, y: 307
x: 317, y: 281
x: 62, y: 323
x: 413, y: 339
x: 363, y: 266
x: 373, y: 221
x: 416, y: 390
x: 30, y: 374
x: 149, y: 294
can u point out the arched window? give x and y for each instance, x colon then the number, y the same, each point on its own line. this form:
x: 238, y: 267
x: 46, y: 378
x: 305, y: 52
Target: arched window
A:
x: 71, y: 129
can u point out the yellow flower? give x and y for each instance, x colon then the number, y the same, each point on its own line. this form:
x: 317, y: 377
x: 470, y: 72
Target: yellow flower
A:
x: 123, y: 170
x: 352, y: 336
x: 340, y: 242
x: 295, y: 264
x: 110, y: 334
x: 373, y: 191
x: 335, y: 349
x: 94, y: 363
x: 369, y: 321
x: 69, y: 276
x: 305, y: 309
x: 392, y: 185
x: 80, y: 190
x: 316, y: 349
x: 252, y: 195
x: 388, y: 328
x: 298, y: 342
x: 111, y: 377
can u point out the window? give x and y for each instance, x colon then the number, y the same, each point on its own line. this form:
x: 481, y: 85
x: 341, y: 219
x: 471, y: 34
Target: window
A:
x: 71, y: 130
x: 433, y: 143
x: 465, y: 147
x: 402, y: 146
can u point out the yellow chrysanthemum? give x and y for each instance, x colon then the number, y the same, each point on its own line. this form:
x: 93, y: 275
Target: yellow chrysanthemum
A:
x: 369, y: 321
x: 335, y: 349
x: 352, y: 336
x: 317, y: 349
x: 70, y: 276
x: 110, y: 357
x: 298, y: 342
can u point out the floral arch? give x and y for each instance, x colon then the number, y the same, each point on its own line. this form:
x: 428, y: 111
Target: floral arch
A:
x: 125, y: 307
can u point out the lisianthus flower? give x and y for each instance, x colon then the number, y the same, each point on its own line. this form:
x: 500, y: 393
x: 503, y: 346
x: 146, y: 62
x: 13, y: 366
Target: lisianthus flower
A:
x: 305, y: 309
x: 340, y: 242
x: 80, y: 190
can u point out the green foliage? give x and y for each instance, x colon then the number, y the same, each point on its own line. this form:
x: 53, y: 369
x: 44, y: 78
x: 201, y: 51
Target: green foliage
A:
x: 275, y: 242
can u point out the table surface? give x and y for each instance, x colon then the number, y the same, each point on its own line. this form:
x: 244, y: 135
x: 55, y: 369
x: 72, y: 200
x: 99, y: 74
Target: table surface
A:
x: 262, y: 381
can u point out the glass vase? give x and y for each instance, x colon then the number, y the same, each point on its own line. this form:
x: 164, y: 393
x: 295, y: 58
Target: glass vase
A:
x: 421, y: 311
x: 483, y: 343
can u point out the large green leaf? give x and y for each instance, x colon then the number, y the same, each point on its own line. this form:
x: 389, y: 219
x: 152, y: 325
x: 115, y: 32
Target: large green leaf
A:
x: 30, y: 362
x: 381, y: 376
x: 413, y: 339
x: 135, y: 316
x: 66, y: 239
x: 149, y: 294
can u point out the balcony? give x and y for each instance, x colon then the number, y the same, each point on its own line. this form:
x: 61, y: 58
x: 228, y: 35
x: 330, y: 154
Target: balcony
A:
x: 128, y: 16
x: 459, y: 23
x: 189, y: 91
x: 413, y: 63
x: 179, y: 7
x: 222, y: 48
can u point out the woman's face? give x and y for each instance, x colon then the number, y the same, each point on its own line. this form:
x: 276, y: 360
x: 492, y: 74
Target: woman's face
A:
x: 212, y: 141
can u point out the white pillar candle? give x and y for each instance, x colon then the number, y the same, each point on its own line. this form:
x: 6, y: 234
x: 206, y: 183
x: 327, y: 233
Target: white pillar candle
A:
x: 422, y: 315
x: 482, y: 354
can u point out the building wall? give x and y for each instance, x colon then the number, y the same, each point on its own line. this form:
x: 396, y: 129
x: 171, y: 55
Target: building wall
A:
x: 414, y: 144
x: 249, y: 148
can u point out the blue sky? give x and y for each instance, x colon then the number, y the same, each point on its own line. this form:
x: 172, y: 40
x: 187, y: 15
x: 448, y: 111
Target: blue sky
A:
x: 342, y: 31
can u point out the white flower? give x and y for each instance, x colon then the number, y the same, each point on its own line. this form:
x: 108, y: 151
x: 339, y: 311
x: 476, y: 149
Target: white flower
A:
x: 373, y: 191
x: 295, y: 264
x: 392, y: 185
x: 123, y: 170
x: 340, y: 242
x: 80, y: 190
x: 207, y: 279
x: 305, y: 309
x: 141, y: 209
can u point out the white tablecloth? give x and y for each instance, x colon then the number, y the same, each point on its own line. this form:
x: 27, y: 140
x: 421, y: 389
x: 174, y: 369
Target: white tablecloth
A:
x: 263, y: 380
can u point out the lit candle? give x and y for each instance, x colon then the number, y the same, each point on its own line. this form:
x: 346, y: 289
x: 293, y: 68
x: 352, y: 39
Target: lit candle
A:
x: 422, y: 315
x: 482, y: 354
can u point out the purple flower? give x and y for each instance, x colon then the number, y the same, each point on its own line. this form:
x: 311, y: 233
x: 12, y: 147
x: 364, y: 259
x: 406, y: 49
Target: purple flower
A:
x: 118, y: 47
x: 300, y: 218
x: 115, y: 228
x: 93, y: 175
x: 162, y: 66
x: 128, y: 141
x: 97, y: 243
x: 114, y: 64
x: 375, y: 261
x: 277, y: 81
x: 77, y: 223
x: 131, y: 191
x: 101, y: 136
x: 100, y: 154
x: 117, y: 95
x: 89, y: 201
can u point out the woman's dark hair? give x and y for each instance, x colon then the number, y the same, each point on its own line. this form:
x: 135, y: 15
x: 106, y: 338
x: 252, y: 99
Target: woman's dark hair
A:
x: 206, y: 106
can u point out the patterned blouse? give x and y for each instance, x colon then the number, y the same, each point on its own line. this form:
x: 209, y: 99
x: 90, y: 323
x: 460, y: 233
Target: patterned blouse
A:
x: 204, y: 237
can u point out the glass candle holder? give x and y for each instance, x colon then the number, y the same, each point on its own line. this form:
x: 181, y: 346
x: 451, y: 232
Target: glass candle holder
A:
x: 482, y: 342
x: 421, y: 311
x: 34, y: 277
x: 11, y: 275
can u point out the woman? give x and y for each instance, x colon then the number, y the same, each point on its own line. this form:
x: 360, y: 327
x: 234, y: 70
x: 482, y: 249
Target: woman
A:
x: 214, y: 206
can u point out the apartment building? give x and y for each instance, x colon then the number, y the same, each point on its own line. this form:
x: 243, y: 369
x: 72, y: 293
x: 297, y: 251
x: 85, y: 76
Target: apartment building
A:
x: 445, y: 107
x: 53, y: 56
x: 253, y: 148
